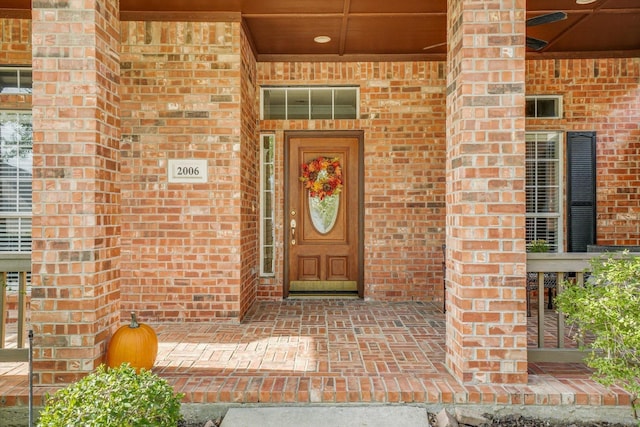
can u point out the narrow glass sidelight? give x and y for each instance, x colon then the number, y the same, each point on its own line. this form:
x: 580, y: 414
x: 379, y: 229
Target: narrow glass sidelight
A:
x: 267, y: 205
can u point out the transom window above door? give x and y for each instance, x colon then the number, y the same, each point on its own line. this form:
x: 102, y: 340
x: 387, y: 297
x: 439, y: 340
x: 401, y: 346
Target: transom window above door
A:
x: 309, y: 102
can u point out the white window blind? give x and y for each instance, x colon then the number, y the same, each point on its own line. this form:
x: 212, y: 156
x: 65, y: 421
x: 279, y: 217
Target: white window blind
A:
x: 544, y: 188
x: 16, y: 153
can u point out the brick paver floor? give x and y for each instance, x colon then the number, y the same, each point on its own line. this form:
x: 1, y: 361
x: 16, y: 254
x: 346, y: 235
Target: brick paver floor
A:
x: 334, y: 351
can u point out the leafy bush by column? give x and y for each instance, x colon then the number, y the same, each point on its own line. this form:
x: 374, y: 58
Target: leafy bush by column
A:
x: 114, y: 397
x: 608, y: 306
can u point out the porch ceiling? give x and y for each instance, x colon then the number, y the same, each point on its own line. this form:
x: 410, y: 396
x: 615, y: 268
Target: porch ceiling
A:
x: 386, y: 29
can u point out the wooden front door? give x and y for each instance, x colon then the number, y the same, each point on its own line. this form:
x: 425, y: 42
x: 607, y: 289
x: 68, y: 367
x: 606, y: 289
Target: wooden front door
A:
x: 323, y: 215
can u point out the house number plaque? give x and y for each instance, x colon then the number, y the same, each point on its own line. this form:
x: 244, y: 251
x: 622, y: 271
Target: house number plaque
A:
x: 187, y: 170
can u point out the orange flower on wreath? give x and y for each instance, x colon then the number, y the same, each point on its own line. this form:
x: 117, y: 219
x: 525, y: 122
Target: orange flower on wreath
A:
x: 322, y: 176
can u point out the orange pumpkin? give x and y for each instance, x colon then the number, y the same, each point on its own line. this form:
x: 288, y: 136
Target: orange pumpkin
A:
x: 136, y: 344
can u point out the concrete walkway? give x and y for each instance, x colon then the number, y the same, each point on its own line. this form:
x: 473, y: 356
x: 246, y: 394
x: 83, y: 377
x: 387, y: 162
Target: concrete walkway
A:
x: 334, y: 416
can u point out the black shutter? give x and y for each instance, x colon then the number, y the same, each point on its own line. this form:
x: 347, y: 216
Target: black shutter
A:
x: 581, y: 190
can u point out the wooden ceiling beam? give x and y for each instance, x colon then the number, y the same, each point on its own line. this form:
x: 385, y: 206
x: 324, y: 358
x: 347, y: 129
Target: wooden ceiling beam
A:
x: 344, y: 27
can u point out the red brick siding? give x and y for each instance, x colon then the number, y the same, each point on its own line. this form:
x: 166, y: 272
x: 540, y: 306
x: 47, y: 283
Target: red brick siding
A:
x: 250, y: 183
x: 15, y: 49
x: 191, y: 253
x: 181, y: 98
x: 15, y: 42
x: 76, y: 200
x: 402, y: 113
x: 601, y: 95
x: 486, y: 261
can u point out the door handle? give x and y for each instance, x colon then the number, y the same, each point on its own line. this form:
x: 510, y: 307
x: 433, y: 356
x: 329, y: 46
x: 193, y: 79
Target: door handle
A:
x: 293, y: 232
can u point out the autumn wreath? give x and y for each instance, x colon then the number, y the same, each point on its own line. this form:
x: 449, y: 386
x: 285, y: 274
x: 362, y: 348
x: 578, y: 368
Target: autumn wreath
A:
x: 322, y: 176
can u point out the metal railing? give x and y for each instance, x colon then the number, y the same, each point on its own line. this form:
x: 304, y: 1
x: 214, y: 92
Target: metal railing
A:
x: 17, y: 263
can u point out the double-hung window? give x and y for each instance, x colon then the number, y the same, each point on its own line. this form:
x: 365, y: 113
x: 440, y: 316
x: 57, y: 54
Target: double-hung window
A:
x: 16, y: 152
x: 544, y: 189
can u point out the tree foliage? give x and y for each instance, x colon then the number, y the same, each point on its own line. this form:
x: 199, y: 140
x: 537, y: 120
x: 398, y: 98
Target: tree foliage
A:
x: 114, y: 397
x: 607, y: 307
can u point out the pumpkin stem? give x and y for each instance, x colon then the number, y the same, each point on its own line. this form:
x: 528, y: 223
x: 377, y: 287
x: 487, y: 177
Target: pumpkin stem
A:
x: 134, y: 322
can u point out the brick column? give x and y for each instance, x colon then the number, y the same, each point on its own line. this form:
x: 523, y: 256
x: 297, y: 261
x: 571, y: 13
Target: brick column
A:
x: 76, y: 230
x: 486, y: 254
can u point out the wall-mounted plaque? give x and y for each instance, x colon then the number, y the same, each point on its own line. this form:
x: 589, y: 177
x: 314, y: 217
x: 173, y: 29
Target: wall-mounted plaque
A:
x: 187, y: 170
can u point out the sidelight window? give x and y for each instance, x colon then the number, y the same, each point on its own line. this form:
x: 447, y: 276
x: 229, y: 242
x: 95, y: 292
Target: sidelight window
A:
x: 267, y: 203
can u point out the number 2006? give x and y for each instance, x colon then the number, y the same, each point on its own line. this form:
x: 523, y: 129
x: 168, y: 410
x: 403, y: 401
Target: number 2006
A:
x: 188, y: 171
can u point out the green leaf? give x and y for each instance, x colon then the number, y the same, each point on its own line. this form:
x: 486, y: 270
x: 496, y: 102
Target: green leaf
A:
x: 607, y: 308
x: 114, y: 397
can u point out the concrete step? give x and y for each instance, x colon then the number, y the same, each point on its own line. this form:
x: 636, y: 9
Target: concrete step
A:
x: 327, y: 416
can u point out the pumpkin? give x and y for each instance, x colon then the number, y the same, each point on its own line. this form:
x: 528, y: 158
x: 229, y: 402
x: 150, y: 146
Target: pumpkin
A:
x: 135, y: 343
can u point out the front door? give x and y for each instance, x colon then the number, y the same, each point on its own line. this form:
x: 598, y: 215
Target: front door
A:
x: 323, y: 214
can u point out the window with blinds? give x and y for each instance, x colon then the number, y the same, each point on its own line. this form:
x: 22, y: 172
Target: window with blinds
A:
x: 544, y: 188
x: 16, y: 152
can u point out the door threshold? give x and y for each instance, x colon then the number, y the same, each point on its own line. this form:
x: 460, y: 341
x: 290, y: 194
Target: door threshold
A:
x: 324, y: 286
x: 323, y: 295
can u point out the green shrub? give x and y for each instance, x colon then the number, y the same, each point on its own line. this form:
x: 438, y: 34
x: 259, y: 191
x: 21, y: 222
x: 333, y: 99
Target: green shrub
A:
x: 608, y: 306
x: 539, y: 246
x: 114, y: 397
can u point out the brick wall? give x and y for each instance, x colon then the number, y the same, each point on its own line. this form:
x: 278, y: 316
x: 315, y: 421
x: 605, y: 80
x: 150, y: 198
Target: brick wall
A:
x: 601, y: 95
x: 188, y: 90
x: 15, y: 49
x: 76, y: 200
x: 15, y: 42
x: 250, y: 179
x: 402, y: 113
x: 486, y: 254
x: 181, y: 243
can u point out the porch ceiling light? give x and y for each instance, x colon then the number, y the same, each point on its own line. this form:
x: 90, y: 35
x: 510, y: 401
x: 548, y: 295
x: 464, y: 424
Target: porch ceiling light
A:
x: 322, y: 39
x: 585, y: 1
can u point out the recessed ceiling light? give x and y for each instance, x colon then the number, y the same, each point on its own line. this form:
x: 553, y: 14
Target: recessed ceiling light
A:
x: 585, y: 1
x: 322, y: 39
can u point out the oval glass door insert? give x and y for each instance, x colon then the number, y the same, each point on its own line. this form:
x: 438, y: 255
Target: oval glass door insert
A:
x: 324, y: 212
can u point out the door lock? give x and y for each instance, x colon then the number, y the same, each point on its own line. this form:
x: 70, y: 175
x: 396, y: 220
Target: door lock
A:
x: 293, y: 232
